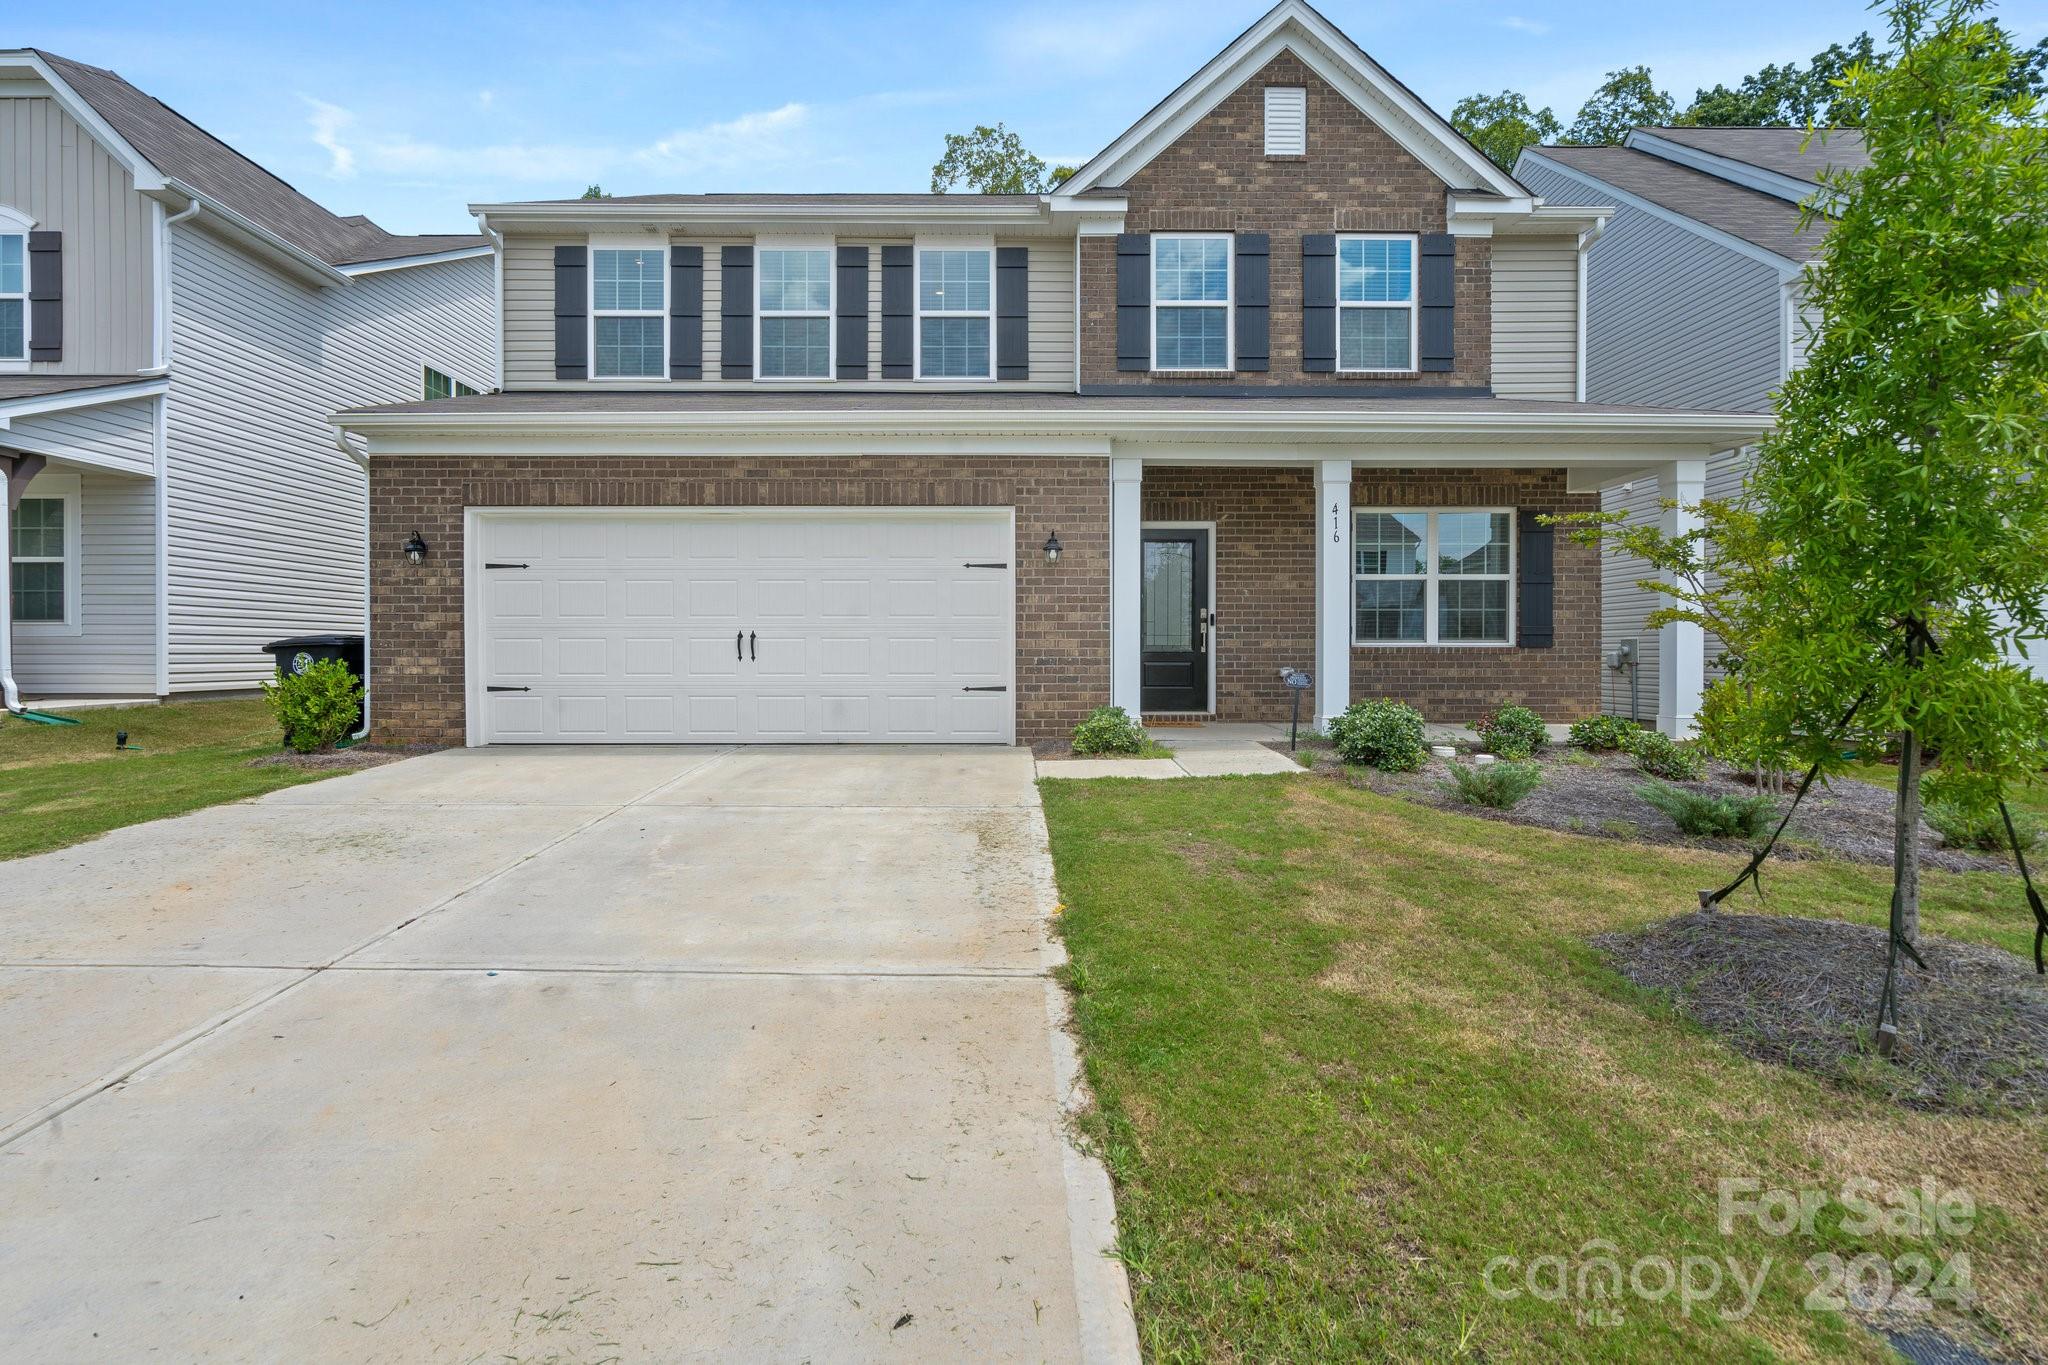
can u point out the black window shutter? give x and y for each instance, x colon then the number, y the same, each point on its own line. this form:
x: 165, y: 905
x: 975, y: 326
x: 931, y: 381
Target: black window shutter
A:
x: 1436, y: 292
x: 686, y: 312
x: 572, y: 312
x: 46, y: 295
x: 1013, y: 312
x: 1319, y: 302
x: 899, y: 303
x: 1133, y: 301
x: 852, y: 316
x: 1253, y: 298
x: 1536, y: 589
x: 736, y: 312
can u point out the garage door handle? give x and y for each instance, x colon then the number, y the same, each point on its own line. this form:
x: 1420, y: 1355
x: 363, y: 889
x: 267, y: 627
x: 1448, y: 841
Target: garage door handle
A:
x: 984, y: 689
x: 972, y: 565
x: 752, y: 652
x: 489, y: 565
x: 508, y: 689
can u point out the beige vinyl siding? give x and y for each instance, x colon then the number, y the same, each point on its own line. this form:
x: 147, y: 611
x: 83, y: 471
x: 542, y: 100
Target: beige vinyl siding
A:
x: 529, y: 341
x: 266, y: 514
x: 122, y: 435
x: 53, y: 171
x: 1536, y: 317
x: 114, y: 650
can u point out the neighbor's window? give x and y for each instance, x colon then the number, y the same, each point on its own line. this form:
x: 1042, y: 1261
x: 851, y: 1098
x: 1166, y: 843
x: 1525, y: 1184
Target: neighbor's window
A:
x: 1375, y: 303
x: 629, y: 313
x: 955, y: 311
x: 1426, y: 578
x: 38, y: 555
x: 13, y: 296
x: 439, y: 385
x: 1191, y: 303
x: 796, y: 312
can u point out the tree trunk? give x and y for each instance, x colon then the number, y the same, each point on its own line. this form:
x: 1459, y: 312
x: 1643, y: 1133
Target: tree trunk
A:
x: 1906, y: 842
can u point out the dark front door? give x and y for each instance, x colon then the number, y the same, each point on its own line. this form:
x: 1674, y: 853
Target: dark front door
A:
x: 1174, y: 620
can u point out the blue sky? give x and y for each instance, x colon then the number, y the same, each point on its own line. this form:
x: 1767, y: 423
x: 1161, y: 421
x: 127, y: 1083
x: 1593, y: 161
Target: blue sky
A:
x: 410, y: 112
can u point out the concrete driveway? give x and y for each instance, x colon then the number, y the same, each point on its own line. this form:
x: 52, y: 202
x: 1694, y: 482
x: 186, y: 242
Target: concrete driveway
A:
x: 563, y: 1054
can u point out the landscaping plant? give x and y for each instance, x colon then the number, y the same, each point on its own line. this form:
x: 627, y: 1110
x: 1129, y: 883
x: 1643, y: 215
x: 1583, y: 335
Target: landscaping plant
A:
x: 1657, y: 754
x: 1109, y: 730
x: 1513, y: 732
x: 1904, y: 485
x: 1980, y: 829
x: 1379, y: 734
x: 1495, y: 785
x: 1603, y: 733
x: 317, y: 706
x: 1713, y: 815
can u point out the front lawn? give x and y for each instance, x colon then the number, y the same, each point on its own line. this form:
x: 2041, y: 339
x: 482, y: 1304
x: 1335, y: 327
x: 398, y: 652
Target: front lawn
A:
x: 1348, y: 1049
x: 63, y: 784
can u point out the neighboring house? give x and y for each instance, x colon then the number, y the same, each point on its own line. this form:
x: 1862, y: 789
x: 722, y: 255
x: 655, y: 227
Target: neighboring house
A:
x: 176, y: 325
x: 1692, y: 299
x: 1286, y: 377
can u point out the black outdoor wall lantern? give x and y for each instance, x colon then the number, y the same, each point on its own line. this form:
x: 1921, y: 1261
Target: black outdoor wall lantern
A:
x: 415, y: 548
x: 1053, y: 548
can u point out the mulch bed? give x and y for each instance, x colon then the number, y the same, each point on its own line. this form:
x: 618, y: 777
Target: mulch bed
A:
x: 361, y: 756
x: 1595, y: 794
x: 1804, y: 993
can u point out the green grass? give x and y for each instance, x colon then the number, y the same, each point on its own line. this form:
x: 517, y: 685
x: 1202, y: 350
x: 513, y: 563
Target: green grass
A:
x: 1346, y: 1049
x: 60, y: 785
x: 2032, y: 798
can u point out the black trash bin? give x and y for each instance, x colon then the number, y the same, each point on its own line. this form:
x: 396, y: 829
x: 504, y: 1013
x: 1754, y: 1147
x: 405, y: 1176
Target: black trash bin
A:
x: 300, y: 651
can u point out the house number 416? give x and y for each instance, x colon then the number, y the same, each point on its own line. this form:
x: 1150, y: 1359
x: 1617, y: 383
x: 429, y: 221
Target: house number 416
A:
x: 1336, y: 524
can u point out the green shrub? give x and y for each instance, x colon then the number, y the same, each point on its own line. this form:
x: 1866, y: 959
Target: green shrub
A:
x: 317, y: 707
x: 1657, y: 754
x: 1513, y: 732
x: 1379, y: 734
x: 1983, y: 830
x: 1603, y: 732
x: 1499, y: 785
x: 1716, y: 816
x: 1109, y: 730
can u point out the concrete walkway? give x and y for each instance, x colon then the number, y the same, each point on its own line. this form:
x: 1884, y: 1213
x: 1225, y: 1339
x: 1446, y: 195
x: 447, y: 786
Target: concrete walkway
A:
x: 1211, y: 750
x: 573, y: 1054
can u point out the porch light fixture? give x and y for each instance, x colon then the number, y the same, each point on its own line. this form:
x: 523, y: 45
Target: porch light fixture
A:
x: 415, y: 548
x: 1053, y: 548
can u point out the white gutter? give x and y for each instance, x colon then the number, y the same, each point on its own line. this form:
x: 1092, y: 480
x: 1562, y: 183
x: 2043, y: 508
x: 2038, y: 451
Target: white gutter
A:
x: 734, y: 213
x: 262, y: 240
x: 93, y: 397
x: 462, y: 253
x: 362, y: 462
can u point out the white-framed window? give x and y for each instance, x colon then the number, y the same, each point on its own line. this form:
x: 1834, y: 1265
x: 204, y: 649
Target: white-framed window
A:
x: 14, y: 310
x: 628, y: 310
x: 956, y: 309
x: 43, y: 558
x: 1192, y: 292
x: 1422, y: 577
x: 440, y: 384
x: 793, y: 314
x: 1286, y: 120
x: 1376, y: 317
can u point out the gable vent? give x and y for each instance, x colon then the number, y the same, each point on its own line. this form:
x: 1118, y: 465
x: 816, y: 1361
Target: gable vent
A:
x: 1286, y: 120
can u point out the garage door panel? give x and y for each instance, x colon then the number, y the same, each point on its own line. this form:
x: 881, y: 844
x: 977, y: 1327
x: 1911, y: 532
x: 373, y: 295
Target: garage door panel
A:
x: 848, y: 628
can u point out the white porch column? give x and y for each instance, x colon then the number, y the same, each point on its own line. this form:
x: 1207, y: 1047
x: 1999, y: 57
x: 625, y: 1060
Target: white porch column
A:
x: 1333, y: 588
x: 1126, y: 538
x: 1681, y: 645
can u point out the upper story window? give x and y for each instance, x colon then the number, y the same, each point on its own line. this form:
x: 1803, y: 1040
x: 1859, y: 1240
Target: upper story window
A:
x: 436, y: 384
x: 13, y: 294
x: 1286, y: 120
x: 795, y: 316
x: 1430, y: 578
x: 1191, y: 296
x: 955, y: 312
x: 628, y: 312
x: 1376, y: 316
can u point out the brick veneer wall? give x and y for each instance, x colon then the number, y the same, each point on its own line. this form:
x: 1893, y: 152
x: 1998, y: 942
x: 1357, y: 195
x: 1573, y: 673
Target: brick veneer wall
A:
x: 1355, y: 178
x: 416, y: 666
x: 1265, y: 592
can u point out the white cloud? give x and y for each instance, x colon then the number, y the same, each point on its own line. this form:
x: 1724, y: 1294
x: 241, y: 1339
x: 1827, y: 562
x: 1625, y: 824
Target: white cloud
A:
x: 1534, y: 27
x: 747, y: 140
x: 486, y: 98
x: 328, y: 120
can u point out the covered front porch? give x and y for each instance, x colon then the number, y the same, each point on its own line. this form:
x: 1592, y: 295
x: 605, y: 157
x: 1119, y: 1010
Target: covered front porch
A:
x: 1437, y: 581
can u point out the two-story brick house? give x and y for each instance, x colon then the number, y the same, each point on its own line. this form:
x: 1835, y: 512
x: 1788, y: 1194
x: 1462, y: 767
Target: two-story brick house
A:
x: 1287, y: 376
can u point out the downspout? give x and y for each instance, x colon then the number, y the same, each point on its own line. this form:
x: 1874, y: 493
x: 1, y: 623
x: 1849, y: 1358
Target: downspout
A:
x: 166, y: 334
x: 1586, y: 240
x: 10, y: 695
x: 497, y: 241
x: 362, y: 462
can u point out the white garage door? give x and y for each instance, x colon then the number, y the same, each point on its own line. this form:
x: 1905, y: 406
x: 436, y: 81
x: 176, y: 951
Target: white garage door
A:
x: 728, y: 626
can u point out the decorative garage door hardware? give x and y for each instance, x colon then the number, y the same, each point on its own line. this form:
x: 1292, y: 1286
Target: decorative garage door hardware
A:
x: 489, y: 565
x: 495, y: 688
x: 970, y: 564
x: 984, y: 689
x: 748, y: 637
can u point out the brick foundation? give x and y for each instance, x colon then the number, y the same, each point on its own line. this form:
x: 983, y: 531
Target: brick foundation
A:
x: 416, y: 665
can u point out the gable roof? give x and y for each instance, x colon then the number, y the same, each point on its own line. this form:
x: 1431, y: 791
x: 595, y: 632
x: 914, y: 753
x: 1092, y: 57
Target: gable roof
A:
x: 184, y: 152
x: 1762, y: 220
x: 1295, y: 26
x: 1777, y: 149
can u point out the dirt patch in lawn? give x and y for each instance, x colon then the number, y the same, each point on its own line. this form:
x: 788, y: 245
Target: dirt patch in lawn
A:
x: 1804, y: 993
x: 340, y: 760
x: 1595, y: 794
